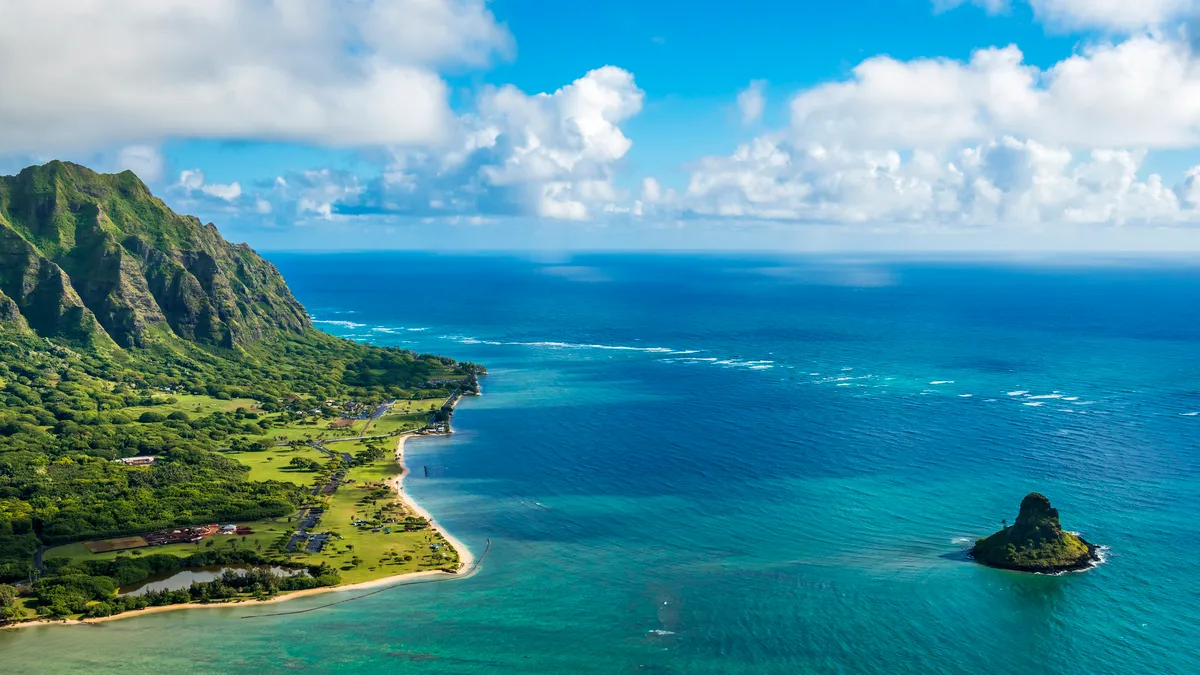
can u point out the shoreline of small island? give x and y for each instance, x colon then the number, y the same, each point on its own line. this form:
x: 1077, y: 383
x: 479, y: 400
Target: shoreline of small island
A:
x: 1093, y: 560
x: 467, y: 566
x: 1036, y: 543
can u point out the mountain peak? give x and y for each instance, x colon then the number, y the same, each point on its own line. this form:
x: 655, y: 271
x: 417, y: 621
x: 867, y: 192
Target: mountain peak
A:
x: 86, y: 256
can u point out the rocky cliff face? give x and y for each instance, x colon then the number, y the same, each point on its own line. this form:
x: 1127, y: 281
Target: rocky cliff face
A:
x: 1036, y: 542
x: 96, y: 259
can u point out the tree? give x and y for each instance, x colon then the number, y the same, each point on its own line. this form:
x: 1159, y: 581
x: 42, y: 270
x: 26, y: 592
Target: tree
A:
x: 8, y: 596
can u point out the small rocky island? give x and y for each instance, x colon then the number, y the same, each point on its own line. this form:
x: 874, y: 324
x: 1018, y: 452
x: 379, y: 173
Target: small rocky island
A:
x: 1035, y: 543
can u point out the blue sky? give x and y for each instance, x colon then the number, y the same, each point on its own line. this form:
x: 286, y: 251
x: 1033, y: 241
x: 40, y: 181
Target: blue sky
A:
x: 862, y: 125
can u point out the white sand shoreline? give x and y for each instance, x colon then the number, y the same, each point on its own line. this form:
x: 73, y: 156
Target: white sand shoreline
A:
x: 466, y: 562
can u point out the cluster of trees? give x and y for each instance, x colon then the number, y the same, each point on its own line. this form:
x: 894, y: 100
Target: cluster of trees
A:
x: 9, y: 609
x: 78, y: 497
x: 304, y: 464
x: 90, y: 587
x: 371, y: 454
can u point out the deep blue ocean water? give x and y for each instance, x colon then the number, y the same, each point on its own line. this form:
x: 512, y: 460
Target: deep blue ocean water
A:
x: 755, y: 465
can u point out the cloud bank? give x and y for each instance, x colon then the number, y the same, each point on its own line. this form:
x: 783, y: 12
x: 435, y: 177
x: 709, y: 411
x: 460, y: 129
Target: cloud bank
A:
x: 83, y: 74
x: 989, y: 141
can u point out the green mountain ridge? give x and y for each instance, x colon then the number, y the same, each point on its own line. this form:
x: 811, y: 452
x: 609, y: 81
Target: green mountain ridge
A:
x: 96, y: 259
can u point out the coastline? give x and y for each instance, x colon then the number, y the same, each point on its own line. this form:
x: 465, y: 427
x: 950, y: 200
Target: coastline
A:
x: 465, y: 557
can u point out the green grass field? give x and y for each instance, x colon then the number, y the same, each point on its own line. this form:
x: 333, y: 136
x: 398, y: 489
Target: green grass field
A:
x: 377, y: 550
x: 266, y: 533
x: 423, y: 406
x: 273, y: 464
x: 319, y: 431
x: 393, y: 423
x: 195, y: 406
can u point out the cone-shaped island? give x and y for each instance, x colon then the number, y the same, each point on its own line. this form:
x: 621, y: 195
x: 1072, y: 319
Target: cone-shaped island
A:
x: 1035, y: 543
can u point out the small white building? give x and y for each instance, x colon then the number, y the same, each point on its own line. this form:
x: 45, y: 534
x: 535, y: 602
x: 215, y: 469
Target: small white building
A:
x: 142, y: 460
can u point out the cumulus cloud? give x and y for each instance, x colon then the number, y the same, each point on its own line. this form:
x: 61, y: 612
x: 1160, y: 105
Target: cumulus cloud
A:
x: 990, y: 141
x: 1117, y: 15
x: 552, y: 155
x: 1007, y: 181
x: 1141, y: 92
x: 320, y: 71
x: 1125, y: 16
x: 751, y: 101
x: 192, y: 184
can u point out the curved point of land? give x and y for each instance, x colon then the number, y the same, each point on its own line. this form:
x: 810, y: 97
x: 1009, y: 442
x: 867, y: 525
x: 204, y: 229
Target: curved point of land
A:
x: 409, y: 582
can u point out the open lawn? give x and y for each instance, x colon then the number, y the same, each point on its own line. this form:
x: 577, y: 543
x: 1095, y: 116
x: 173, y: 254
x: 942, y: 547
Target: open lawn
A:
x: 423, y: 406
x: 195, y: 406
x: 393, y: 423
x: 381, y: 554
x: 322, y: 430
x: 266, y: 533
x: 273, y: 464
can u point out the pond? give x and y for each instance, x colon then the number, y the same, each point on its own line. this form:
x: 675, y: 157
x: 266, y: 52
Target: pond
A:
x: 180, y: 579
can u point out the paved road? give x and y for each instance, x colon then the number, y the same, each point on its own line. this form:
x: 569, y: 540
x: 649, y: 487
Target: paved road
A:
x: 381, y: 410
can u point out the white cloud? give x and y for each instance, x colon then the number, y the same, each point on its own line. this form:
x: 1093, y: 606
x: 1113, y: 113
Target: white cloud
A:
x: 1121, y: 16
x: 992, y: 141
x: 317, y: 192
x: 144, y: 160
x: 999, y: 183
x: 1142, y: 92
x: 1116, y: 15
x: 751, y: 101
x: 552, y: 155
x: 321, y: 71
x: 192, y: 181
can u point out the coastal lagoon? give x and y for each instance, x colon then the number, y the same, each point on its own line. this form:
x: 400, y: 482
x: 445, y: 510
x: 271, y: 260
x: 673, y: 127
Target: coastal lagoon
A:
x: 749, y: 465
x: 177, y: 580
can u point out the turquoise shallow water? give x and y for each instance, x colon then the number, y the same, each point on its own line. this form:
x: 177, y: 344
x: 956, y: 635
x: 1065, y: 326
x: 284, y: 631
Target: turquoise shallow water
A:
x: 732, y: 465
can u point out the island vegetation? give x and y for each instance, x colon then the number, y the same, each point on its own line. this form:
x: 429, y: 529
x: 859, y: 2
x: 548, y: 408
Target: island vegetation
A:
x: 1036, y: 542
x: 155, y: 376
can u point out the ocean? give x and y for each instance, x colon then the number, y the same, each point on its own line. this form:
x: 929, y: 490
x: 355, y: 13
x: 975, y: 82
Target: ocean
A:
x: 754, y: 464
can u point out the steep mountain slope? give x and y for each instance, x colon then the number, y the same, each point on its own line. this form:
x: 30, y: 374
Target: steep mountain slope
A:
x: 95, y: 259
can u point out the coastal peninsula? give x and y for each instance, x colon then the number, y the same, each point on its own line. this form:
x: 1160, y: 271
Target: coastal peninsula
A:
x: 1036, y: 542
x: 169, y: 407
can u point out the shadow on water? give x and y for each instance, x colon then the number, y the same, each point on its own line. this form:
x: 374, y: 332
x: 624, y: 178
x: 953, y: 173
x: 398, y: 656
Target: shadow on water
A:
x: 961, y: 555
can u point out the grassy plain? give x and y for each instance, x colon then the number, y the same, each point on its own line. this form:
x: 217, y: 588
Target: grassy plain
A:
x: 193, y: 405
x: 320, y: 431
x: 380, y: 554
x: 273, y: 464
x: 393, y: 423
x: 427, y: 405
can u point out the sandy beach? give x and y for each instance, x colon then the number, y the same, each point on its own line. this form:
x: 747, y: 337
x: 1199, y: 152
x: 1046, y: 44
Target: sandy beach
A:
x: 466, y: 562
x: 466, y: 558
